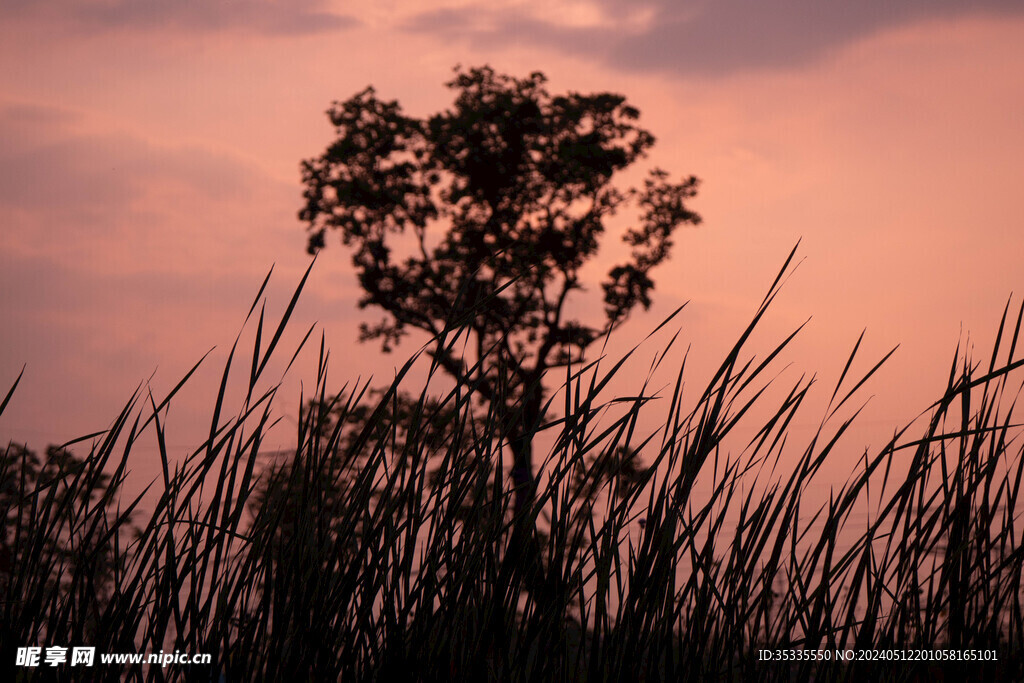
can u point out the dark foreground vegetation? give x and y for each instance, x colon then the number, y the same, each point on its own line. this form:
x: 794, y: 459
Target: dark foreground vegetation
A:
x: 382, y: 549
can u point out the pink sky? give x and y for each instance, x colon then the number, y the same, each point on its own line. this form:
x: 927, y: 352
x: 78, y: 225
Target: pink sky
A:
x: 149, y: 178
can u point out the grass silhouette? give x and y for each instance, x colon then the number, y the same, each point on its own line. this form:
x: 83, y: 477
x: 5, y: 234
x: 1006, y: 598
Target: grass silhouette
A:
x: 386, y: 551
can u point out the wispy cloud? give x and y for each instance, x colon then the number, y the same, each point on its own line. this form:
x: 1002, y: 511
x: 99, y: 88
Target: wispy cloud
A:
x: 261, y: 16
x: 95, y: 191
x: 698, y: 36
x: 120, y: 253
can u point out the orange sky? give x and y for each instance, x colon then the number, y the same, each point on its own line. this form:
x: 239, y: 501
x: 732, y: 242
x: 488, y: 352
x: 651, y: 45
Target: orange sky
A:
x: 149, y: 177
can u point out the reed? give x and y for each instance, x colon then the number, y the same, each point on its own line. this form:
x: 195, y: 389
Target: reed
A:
x: 383, y: 547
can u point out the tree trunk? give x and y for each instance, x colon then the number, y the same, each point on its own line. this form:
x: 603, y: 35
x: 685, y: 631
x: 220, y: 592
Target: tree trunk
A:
x: 523, y: 482
x: 524, y: 553
x: 521, y: 443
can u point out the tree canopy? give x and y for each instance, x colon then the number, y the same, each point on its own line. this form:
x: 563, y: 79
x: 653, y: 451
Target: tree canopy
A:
x: 489, y: 210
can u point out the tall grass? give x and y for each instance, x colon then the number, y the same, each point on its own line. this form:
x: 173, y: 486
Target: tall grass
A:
x: 383, y: 547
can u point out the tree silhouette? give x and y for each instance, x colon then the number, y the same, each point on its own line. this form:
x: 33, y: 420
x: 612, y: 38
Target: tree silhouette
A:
x: 59, y: 511
x: 486, y: 213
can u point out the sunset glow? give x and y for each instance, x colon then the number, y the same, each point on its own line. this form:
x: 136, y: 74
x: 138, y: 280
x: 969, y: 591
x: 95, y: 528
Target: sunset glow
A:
x: 149, y: 177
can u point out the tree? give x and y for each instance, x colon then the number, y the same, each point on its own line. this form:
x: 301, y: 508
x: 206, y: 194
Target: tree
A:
x: 60, y: 535
x: 331, y: 460
x: 498, y: 203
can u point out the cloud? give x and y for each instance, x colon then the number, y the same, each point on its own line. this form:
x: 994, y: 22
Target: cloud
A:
x: 260, y: 16
x: 106, y: 201
x: 697, y: 37
x: 51, y: 161
x: 121, y: 253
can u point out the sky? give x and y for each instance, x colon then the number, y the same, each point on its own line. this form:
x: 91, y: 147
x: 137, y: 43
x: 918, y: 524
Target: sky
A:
x: 149, y: 179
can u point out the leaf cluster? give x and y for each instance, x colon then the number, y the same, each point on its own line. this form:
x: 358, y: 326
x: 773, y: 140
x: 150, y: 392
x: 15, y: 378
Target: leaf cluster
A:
x: 492, y: 207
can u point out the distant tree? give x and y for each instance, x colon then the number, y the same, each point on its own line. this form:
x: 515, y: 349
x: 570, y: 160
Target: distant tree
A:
x: 485, y: 214
x: 59, y: 543
x: 337, y: 425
